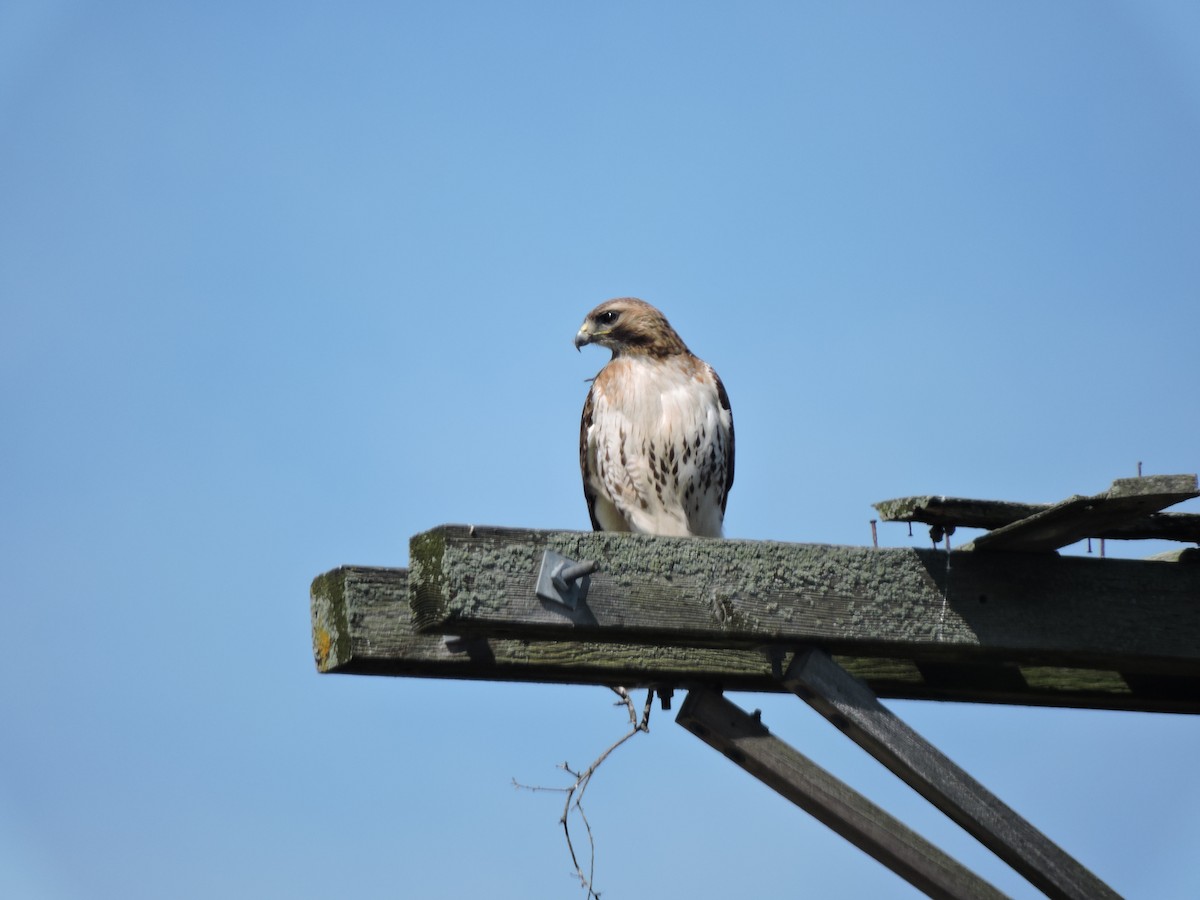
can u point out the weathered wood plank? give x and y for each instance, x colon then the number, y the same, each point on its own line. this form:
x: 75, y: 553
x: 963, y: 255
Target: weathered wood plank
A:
x: 921, y: 605
x: 993, y: 514
x: 855, y: 710
x: 745, y: 740
x: 362, y: 624
x: 1129, y: 500
x: 959, y: 511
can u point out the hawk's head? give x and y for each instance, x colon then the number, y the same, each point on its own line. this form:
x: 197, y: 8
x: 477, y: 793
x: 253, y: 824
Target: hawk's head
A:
x: 628, y: 326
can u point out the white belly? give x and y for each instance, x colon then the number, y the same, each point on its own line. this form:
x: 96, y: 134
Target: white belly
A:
x: 657, y: 445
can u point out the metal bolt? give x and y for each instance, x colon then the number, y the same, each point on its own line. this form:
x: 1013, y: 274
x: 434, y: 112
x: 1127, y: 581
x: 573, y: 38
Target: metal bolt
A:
x: 563, y: 580
x: 565, y: 575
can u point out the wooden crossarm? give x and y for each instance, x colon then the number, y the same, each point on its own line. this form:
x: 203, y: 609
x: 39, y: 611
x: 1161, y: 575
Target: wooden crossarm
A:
x: 362, y: 624
x: 896, y: 603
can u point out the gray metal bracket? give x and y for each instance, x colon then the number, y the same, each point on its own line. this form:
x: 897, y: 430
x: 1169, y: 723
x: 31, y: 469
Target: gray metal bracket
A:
x: 563, y: 580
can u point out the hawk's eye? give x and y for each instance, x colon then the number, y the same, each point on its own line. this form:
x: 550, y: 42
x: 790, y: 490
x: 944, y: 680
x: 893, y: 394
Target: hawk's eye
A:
x: 608, y: 317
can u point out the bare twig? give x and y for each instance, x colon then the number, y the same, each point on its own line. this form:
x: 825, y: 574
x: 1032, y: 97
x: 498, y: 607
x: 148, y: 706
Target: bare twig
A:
x: 627, y: 700
x: 577, y: 789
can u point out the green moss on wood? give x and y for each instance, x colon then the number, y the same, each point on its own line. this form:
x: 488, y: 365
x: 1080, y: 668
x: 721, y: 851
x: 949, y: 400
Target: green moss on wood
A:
x: 427, y: 580
x: 332, y: 642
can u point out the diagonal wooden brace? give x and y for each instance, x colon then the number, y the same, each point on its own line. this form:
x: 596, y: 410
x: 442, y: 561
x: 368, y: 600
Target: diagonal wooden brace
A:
x: 851, y: 706
x: 746, y: 741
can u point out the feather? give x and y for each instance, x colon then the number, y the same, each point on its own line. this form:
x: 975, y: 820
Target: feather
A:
x: 656, y: 445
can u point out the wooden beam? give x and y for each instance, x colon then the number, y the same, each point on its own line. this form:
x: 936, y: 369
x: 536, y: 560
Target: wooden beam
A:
x: 746, y: 741
x: 922, y: 605
x: 1129, y: 500
x: 855, y: 710
x: 958, y: 511
x: 994, y: 514
x: 362, y: 624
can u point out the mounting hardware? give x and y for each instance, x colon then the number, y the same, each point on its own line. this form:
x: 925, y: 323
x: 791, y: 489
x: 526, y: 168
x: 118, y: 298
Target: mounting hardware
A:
x: 454, y: 643
x: 563, y: 580
x: 938, y: 531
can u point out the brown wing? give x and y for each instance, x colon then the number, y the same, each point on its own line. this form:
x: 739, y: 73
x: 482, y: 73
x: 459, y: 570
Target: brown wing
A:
x: 724, y: 398
x: 585, y: 422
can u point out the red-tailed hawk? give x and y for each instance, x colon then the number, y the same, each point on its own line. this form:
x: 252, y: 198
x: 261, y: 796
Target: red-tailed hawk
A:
x: 656, y: 440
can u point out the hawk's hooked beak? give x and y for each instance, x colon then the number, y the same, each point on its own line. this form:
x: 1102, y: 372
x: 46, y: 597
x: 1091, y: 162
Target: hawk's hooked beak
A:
x: 583, y: 336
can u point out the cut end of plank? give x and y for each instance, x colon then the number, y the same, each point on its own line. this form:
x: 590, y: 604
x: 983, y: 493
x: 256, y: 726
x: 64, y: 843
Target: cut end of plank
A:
x: 330, y: 629
x: 426, y: 552
x: 1184, y: 485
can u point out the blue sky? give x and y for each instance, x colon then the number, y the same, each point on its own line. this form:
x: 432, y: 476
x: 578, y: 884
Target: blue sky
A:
x: 284, y: 284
